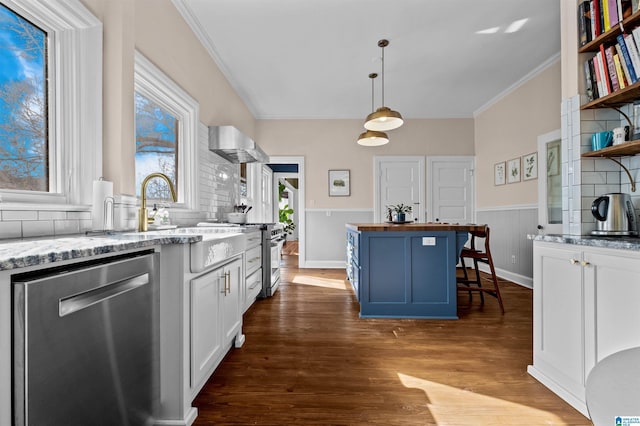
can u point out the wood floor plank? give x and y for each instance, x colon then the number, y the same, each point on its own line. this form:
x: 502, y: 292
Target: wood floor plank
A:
x: 309, y: 359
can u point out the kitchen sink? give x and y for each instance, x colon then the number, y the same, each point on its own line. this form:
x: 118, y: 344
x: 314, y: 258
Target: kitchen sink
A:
x: 215, y: 245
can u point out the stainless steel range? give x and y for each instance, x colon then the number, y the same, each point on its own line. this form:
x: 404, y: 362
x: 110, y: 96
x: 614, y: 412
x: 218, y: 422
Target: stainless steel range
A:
x: 272, y: 241
x: 273, y: 238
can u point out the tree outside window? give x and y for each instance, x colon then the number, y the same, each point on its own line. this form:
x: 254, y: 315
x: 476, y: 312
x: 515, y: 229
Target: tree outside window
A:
x: 23, y: 104
x: 156, y: 147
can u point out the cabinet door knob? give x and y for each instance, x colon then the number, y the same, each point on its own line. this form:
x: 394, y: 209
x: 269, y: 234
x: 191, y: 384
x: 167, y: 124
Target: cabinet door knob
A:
x: 574, y: 261
x: 585, y: 263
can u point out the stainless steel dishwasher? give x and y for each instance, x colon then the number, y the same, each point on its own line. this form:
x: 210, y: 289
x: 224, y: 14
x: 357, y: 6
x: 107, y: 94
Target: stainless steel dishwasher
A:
x: 85, y: 343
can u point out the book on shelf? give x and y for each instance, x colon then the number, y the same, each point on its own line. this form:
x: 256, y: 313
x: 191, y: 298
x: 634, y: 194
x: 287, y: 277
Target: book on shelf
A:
x: 622, y: 81
x: 605, y: 16
x: 624, y: 69
x: 596, y: 17
x: 611, y: 70
x: 613, y: 13
x: 589, y: 82
x: 627, y: 63
x: 594, y: 81
x: 600, y: 75
x: 584, y: 23
x: 633, y: 52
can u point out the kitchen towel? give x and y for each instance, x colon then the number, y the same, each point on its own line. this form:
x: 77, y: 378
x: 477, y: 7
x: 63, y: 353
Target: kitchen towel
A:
x: 102, y: 210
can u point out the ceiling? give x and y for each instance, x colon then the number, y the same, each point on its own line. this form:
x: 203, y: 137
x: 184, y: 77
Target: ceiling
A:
x: 294, y: 59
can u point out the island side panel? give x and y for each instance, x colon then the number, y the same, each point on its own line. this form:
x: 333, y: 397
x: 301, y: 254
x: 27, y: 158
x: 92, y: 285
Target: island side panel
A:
x: 405, y: 276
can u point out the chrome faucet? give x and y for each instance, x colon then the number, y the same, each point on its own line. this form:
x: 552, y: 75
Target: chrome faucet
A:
x: 143, y: 219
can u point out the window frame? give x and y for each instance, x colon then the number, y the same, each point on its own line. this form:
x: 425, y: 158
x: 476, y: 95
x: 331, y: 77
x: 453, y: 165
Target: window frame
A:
x: 74, y: 44
x: 152, y: 83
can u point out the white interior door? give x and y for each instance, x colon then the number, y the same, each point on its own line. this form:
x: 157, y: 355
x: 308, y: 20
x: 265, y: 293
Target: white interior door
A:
x: 451, y: 189
x: 399, y: 180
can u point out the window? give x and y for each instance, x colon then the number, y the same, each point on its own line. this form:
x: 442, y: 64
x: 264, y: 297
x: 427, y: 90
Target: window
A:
x: 166, y: 134
x: 156, y: 147
x: 51, y: 151
x: 24, y: 162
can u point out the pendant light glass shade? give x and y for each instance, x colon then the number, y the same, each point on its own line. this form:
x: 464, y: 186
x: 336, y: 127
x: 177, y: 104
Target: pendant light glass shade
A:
x: 373, y: 138
x: 383, y: 118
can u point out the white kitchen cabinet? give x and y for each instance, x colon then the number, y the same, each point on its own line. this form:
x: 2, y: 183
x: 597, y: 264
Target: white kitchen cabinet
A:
x: 584, y: 308
x: 206, y: 330
x: 253, y: 286
x: 230, y: 300
x: 215, y: 318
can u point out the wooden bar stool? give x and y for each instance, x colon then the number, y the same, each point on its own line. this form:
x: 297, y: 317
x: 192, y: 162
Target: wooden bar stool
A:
x: 484, y: 256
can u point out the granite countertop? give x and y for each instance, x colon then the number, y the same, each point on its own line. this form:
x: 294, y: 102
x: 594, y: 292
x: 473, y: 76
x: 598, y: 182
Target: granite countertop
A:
x: 413, y: 226
x: 37, y: 251
x: 624, y: 243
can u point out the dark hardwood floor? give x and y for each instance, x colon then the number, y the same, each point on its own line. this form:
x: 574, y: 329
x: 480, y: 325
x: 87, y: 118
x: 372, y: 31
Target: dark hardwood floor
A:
x: 309, y: 359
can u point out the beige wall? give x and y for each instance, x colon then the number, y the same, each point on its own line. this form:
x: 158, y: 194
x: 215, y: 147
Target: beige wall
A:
x: 157, y: 30
x: 510, y: 129
x: 331, y: 144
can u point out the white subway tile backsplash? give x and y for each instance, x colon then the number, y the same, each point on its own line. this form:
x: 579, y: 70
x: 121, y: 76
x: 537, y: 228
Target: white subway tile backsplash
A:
x: 51, y: 215
x: 594, y: 177
x: 613, y: 178
x: 606, y: 114
x: 63, y: 227
x: 11, y: 229
x: 19, y: 215
x: 37, y: 228
x: 79, y: 215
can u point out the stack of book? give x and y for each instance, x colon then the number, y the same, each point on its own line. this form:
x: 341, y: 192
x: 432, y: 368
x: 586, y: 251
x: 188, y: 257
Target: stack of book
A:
x: 616, y: 64
x: 598, y: 16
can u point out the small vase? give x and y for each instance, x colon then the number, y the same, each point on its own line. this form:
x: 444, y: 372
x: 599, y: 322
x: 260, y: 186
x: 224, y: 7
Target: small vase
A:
x: 400, y: 217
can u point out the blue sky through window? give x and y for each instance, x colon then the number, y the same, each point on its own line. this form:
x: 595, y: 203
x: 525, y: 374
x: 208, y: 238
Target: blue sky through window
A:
x: 156, y: 146
x: 23, y: 102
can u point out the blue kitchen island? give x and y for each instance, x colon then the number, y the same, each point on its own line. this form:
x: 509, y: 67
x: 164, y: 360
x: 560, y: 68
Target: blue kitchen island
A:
x: 405, y: 270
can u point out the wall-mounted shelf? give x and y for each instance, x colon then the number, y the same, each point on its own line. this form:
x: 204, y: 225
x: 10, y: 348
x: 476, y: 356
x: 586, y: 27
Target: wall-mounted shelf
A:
x: 627, y: 148
x: 610, y: 36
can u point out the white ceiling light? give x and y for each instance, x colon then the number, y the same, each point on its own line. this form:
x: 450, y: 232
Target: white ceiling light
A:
x: 372, y: 137
x: 383, y: 118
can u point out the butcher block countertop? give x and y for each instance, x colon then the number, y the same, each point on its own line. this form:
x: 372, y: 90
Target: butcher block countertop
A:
x: 413, y: 226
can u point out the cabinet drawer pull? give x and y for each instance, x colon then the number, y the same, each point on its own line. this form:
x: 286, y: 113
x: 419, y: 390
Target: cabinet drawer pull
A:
x: 254, y: 285
x: 574, y: 261
x: 254, y: 259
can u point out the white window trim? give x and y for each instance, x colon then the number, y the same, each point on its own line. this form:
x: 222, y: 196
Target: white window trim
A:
x: 75, y: 110
x: 151, y: 82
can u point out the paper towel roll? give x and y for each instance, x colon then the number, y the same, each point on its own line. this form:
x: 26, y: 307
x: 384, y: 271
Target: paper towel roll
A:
x: 102, y: 209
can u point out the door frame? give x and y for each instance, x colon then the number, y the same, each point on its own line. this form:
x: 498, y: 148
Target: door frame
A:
x: 377, y: 160
x: 430, y: 160
x: 299, y: 160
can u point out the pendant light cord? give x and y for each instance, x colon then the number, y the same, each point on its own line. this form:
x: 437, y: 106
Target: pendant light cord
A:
x: 383, y: 75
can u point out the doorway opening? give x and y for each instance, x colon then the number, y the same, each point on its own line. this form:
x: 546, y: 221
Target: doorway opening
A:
x: 289, y: 204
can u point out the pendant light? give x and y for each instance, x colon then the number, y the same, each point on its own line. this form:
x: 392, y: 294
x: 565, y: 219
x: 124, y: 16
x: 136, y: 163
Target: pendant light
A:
x: 383, y: 118
x: 372, y: 137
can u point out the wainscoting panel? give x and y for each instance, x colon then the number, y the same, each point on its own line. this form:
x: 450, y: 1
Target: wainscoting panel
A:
x: 511, y: 248
x: 326, y: 235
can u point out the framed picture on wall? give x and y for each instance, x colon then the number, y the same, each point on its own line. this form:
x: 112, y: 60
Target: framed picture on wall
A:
x: 513, y: 170
x: 339, y: 185
x: 530, y: 166
x: 499, y: 173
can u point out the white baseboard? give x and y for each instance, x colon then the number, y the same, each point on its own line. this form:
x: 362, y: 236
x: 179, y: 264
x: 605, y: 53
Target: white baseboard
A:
x: 325, y: 264
x: 558, y: 390
x: 511, y: 276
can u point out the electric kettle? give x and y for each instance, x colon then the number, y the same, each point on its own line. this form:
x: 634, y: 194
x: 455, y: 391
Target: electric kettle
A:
x: 615, y: 215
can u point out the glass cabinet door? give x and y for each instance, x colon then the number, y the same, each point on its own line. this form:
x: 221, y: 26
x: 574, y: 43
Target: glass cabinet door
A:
x: 550, y: 183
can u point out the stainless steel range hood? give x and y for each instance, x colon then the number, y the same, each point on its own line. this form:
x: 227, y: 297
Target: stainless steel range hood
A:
x: 234, y: 146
